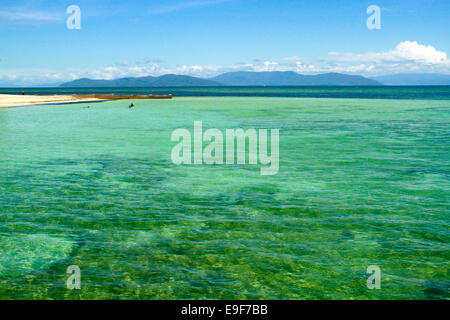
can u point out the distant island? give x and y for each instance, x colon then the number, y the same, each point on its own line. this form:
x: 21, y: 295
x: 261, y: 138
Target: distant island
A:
x: 241, y: 78
x: 168, y: 80
x: 290, y: 78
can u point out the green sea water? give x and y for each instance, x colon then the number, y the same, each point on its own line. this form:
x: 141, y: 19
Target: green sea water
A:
x: 361, y: 182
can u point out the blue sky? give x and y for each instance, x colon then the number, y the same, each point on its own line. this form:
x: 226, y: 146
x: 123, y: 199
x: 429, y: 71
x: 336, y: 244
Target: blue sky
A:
x: 207, y: 37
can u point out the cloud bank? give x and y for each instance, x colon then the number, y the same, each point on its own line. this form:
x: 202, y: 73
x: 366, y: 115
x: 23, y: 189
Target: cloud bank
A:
x: 404, y: 52
x: 406, y: 57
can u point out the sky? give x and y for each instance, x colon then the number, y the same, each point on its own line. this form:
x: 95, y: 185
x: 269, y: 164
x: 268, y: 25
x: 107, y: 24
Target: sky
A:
x: 204, y: 38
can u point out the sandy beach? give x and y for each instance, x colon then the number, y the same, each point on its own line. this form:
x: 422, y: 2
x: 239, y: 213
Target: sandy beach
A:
x: 11, y: 100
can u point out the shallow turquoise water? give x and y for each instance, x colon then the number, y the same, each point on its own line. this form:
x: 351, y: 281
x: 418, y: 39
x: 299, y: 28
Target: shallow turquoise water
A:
x: 361, y: 182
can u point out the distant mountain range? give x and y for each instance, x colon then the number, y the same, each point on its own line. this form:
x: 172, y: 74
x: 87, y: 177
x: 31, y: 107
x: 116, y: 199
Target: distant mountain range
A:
x: 274, y: 78
x: 289, y: 78
x: 168, y: 80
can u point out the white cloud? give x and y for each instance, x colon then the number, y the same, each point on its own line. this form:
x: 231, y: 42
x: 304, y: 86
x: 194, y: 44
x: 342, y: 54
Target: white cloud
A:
x: 266, y: 66
x: 406, y: 57
x: 406, y: 51
x: 411, y: 50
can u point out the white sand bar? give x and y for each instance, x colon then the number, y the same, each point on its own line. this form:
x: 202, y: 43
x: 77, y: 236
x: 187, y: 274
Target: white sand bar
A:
x: 11, y: 100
